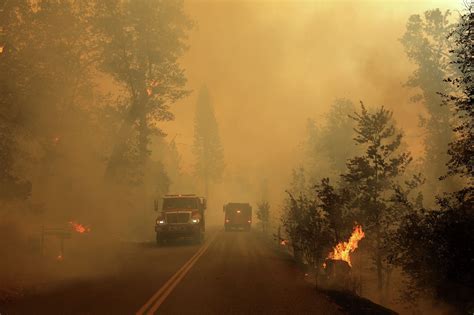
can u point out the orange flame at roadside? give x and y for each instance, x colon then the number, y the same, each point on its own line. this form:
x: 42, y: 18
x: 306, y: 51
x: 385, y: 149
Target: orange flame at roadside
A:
x: 79, y: 228
x: 342, y: 250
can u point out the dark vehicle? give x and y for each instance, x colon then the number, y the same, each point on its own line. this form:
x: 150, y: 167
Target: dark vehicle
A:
x: 237, y: 216
x: 182, y: 216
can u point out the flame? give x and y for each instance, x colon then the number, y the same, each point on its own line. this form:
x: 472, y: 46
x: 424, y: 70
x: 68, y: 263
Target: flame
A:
x: 1, y: 49
x: 284, y: 242
x: 79, y: 228
x: 342, y: 250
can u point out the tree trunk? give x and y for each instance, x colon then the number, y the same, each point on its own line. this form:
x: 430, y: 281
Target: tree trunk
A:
x: 143, y: 136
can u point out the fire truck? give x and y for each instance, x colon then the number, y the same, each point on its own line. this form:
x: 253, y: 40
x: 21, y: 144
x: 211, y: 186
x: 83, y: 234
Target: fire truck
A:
x: 181, y: 216
x: 237, y: 216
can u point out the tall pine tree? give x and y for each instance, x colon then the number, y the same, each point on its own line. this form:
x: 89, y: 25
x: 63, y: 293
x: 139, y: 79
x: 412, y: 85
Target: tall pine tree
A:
x: 208, y: 150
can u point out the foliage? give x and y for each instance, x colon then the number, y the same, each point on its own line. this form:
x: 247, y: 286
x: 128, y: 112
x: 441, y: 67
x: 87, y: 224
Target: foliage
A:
x: 436, y: 247
x: 55, y: 120
x: 374, y: 178
x: 47, y: 79
x: 426, y: 44
x: 334, y: 203
x: 140, y: 46
x: 330, y: 143
x: 461, y: 149
x: 308, y: 230
x: 337, y: 134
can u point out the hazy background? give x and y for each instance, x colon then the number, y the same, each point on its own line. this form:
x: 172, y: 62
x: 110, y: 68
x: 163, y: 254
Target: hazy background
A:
x: 271, y: 65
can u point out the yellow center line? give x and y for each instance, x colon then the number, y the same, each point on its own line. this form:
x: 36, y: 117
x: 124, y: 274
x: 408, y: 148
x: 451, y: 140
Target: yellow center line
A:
x: 159, y: 297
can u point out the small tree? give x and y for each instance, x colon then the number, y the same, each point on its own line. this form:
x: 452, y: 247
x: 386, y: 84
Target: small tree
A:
x: 309, y: 231
x: 373, y: 177
x: 263, y: 214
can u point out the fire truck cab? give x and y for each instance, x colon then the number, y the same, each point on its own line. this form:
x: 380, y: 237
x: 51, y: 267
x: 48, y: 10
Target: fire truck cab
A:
x: 237, y: 216
x: 181, y: 216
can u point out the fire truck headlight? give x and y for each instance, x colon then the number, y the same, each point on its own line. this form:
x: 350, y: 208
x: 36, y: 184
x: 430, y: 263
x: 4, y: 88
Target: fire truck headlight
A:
x: 195, y: 221
x: 159, y: 221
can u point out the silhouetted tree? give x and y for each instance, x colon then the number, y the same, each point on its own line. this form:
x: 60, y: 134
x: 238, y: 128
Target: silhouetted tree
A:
x: 141, y: 44
x: 208, y: 150
x: 45, y: 64
x: 372, y: 177
x: 308, y: 231
x: 333, y: 203
x: 337, y: 134
x: 426, y: 44
x: 461, y: 100
x: 328, y: 145
x: 436, y: 247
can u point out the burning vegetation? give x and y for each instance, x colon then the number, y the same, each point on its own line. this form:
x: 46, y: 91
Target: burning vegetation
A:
x: 343, y: 250
x: 79, y: 228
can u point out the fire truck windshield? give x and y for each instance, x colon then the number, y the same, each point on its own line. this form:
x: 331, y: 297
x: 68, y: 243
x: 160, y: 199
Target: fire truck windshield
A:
x: 180, y: 203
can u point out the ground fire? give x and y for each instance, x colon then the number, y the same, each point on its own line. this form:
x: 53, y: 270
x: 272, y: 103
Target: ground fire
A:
x: 79, y: 228
x: 342, y: 250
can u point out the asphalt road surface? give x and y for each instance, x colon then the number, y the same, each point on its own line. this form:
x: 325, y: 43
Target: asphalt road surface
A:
x: 230, y: 273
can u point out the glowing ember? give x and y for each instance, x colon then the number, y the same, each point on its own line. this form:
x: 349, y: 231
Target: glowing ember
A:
x: 342, y: 250
x: 79, y: 228
x: 149, y: 89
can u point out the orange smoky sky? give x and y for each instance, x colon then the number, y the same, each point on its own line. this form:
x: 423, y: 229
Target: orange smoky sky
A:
x: 271, y: 65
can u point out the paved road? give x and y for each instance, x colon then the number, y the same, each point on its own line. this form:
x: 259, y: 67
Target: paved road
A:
x: 231, y: 273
